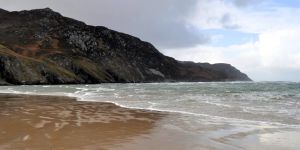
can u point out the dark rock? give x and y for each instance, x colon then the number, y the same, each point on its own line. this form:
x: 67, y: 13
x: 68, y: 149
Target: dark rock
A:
x: 43, y: 47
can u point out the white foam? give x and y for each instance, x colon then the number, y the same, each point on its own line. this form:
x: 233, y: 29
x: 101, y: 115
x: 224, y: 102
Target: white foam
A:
x: 182, y: 98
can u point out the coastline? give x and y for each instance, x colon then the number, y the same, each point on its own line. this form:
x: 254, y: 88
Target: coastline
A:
x: 83, y: 118
x: 60, y: 122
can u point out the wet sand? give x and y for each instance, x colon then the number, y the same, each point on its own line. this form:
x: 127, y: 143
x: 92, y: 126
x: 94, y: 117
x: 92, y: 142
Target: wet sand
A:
x: 48, y: 122
x: 62, y: 123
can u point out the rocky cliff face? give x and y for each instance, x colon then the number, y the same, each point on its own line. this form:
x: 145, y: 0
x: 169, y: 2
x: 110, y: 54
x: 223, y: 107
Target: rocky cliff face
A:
x: 43, y: 47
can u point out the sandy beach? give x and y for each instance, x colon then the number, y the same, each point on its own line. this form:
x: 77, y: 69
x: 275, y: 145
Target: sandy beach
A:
x: 63, y: 123
x: 149, y: 75
x: 48, y: 122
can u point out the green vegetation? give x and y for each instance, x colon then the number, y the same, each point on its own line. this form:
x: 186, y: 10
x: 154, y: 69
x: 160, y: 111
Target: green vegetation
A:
x: 91, y: 68
x: 54, y: 68
x: 1, y: 46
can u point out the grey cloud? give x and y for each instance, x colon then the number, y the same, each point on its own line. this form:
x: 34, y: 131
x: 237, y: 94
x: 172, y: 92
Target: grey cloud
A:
x: 245, y: 3
x: 161, y: 22
x: 227, y: 22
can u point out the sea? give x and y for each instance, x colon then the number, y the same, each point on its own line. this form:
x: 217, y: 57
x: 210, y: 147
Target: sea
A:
x: 222, y: 115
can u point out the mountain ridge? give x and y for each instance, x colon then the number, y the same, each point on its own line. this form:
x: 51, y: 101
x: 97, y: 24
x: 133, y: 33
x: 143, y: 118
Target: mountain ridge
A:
x: 41, y: 46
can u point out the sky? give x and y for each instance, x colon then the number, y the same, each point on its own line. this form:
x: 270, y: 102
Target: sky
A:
x: 259, y: 37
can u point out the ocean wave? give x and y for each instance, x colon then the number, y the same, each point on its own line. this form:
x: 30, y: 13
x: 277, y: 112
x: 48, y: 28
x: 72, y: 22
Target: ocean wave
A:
x: 219, y: 101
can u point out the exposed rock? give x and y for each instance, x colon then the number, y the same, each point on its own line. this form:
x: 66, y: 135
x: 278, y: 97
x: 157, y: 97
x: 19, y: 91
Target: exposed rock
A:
x: 43, y: 47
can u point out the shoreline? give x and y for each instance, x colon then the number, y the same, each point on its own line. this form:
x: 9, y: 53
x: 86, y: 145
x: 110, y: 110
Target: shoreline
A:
x: 229, y: 81
x: 35, y: 121
x: 167, y: 112
x: 74, y: 98
x: 60, y: 122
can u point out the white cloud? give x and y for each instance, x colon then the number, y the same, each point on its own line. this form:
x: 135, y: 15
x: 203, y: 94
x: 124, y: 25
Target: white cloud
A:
x: 243, y: 56
x: 280, y: 49
x: 275, y: 56
x: 220, y: 14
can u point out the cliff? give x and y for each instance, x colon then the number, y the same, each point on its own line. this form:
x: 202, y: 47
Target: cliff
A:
x: 43, y: 47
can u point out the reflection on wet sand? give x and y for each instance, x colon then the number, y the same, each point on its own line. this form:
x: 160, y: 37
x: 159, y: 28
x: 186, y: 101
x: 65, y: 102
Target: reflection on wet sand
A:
x: 46, y: 122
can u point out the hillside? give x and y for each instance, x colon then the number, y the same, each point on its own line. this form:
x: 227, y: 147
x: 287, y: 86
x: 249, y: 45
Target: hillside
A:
x: 43, y: 47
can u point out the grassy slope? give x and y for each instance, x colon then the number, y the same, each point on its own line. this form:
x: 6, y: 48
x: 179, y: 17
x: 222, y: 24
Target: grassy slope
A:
x: 32, y: 63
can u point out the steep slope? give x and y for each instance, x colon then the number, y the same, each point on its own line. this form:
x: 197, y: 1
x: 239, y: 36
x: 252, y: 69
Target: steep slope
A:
x: 43, y: 47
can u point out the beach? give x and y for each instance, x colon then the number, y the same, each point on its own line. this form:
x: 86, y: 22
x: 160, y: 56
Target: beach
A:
x: 53, y: 122
x: 149, y: 75
x: 164, y: 116
x: 36, y: 122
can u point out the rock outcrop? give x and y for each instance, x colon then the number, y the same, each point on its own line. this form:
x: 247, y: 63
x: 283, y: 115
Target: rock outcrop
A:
x: 43, y: 47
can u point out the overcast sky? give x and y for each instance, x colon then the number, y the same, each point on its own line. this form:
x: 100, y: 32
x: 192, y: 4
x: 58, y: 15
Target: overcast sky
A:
x: 259, y: 37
